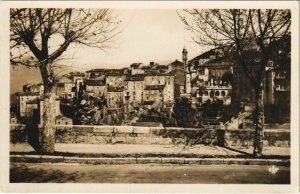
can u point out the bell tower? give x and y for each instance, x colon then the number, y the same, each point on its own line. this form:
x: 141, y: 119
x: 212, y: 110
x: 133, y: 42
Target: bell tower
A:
x: 187, y: 71
x: 184, y: 55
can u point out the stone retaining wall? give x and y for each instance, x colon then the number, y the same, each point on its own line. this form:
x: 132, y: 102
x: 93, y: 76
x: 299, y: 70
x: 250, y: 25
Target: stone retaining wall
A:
x: 150, y: 135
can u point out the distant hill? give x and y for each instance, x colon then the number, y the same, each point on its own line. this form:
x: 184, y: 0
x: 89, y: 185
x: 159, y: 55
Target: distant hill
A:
x: 20, y: 76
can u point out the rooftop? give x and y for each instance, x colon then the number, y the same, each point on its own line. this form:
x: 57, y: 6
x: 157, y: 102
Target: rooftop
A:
x: 27, y: 94
x: 138, y: 77
x: 62, y: 117
x: 158, y: 74
x: 135, y: 65
x: 35, y: 101
x: 95, y: 83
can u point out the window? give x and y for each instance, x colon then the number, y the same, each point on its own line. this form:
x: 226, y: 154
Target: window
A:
x: 206, y: 93
x: 66, y: 123
x: 212, y: 94
x: 217, y: 93
x: 222, y: 93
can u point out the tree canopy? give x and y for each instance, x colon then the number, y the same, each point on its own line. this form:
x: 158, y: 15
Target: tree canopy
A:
x: 39, y: 37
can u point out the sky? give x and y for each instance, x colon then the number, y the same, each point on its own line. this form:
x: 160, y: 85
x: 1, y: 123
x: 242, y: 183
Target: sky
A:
x: 148, y: 35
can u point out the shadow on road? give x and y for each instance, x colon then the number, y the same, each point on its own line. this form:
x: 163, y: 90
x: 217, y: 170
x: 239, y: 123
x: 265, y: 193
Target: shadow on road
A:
x: 238, y: 151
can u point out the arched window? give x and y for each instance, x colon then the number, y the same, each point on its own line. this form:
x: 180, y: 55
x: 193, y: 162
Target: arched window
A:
x: 212, y: 94
x: 217, y: 93
x: 200, y: 93
x: 206, y: 93
x: 223, y: 93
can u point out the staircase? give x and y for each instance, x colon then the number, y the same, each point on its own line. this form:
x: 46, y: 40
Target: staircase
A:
x: 237, y: 120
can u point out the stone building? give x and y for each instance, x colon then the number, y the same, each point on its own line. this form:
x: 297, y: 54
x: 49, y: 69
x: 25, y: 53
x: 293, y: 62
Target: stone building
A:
x: 214, y: 92
x: 207, y: 83
x: 114, y: 96
x: 96, y: 73
x: 31, y: 108
x: 282, y: 87
x: 65, y: 90
x: 177, y: 68
x: 176, y: 65
x: 95, y: 87
x: 276, y: 86
x: 167, y: 80
x: 62, y: 120
x: 34, y: 88
x: 115, y: 80
x: 136, y: 68
x: 134, y: 89
x: 155, y: 94
x: 25, y: 106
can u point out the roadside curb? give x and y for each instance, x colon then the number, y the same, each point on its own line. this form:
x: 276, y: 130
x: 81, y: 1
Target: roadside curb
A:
x: 148, y: 160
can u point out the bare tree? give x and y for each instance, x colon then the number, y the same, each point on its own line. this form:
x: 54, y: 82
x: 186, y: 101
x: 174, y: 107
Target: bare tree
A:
x: 239, y: 30
x: 32, y: 33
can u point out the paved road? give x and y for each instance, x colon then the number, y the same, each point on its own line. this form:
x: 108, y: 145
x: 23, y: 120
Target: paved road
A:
x: 62, y: 173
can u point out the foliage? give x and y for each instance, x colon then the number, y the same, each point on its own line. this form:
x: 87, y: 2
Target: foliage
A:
x: 212, y: 108
x: 227, y: 78
x: 238, y: 31
x: 184, y: 114
x: 39, y: 37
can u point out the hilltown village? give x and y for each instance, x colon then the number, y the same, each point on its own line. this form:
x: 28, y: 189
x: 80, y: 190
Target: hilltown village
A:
x: 210, y: 90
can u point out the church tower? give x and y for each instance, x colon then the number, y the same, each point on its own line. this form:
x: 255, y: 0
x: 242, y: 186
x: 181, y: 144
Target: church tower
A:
x: 187, y: 74
x: 184, y: 55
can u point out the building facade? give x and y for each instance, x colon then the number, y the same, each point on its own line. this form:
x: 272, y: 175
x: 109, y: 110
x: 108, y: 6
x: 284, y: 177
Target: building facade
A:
x: 25, y: 103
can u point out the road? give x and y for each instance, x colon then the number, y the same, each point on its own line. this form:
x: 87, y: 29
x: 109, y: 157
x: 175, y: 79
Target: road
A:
x: 146, y: 173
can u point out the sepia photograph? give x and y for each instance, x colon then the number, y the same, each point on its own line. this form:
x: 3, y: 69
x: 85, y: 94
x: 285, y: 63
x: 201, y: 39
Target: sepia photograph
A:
x: 152, y: 95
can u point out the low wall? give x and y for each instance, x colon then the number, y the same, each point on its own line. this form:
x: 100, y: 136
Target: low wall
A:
x: 150, y: 135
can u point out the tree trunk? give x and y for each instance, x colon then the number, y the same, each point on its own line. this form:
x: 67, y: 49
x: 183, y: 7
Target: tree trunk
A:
x: 48, y: 132
x: 259, y: 121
